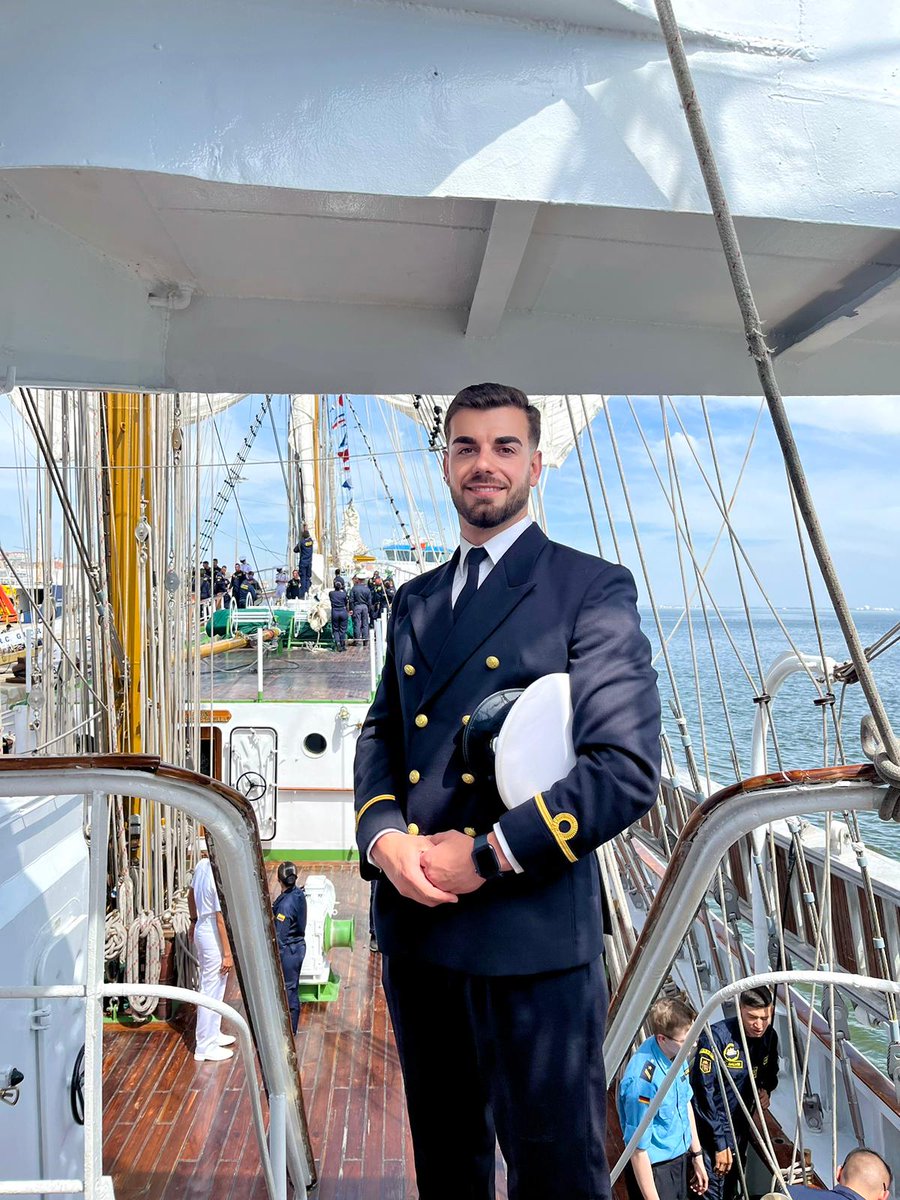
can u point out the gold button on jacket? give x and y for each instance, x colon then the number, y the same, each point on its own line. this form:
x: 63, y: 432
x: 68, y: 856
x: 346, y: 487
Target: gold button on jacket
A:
x: 414, y: 777
x: 421, y: 720
x: 467, y: 778
x: 409, y: 669
x: 492, y: 662
x: 412, y: 828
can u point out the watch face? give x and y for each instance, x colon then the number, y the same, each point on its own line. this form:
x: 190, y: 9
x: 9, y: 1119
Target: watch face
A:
x: 487, y: 865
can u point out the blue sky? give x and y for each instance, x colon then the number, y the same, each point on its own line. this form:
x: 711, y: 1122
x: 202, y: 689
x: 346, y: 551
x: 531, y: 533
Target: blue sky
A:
x: 849, y: 447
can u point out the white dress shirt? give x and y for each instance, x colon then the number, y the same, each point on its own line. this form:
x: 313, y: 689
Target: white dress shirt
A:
x: 496, y: 547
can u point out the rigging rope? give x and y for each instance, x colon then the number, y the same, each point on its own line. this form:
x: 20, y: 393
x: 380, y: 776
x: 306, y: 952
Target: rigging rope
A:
x: 673, y: 683
x: 387, y: 491
x: 888, y: 764
x: 587, y: 491
x: 603, y: 492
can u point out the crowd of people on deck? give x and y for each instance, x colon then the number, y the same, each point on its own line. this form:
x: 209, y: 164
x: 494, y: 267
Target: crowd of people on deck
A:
x: 218, y: 589
x: 366, y: 600
x: 363, y: 603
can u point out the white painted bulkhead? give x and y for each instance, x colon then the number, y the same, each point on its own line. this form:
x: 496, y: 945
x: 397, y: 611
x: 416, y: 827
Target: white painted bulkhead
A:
x: 315, y: 743
x: 43, y: 940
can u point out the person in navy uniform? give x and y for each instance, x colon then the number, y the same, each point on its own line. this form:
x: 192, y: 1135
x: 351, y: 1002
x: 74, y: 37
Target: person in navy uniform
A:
x: 289, y: 911
x: 490, y: 921
x: 293, y: 589
x: 379, y: 599
x: 220, y: 584
x: 863, y: 1175
x: 715, y: 1102
x: 668, y: 1161
x: 340, y: 615
x: 238, y: 579
x: 360, y: 602
x: 305, y: 549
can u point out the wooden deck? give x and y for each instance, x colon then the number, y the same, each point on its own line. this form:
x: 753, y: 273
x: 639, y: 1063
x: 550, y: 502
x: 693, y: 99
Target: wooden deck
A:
x: 180, y: 1130
x: 298, y: 674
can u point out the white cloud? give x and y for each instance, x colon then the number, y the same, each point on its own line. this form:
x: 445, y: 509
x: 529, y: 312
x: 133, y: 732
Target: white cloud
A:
x: 859, y: 416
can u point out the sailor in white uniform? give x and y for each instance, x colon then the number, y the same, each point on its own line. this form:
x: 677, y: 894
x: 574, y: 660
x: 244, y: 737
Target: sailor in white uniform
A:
x: 214, y: 960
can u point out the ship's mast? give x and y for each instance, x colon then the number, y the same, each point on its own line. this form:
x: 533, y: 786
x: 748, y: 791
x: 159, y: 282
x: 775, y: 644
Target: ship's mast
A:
x: 127, y: 416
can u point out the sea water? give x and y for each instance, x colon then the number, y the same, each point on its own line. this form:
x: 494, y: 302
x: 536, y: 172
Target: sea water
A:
x: 803, y: 741
x: 797, y: 720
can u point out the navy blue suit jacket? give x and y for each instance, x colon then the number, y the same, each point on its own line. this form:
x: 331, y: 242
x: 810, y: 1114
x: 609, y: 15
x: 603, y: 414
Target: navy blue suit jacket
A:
x: 544, y: 608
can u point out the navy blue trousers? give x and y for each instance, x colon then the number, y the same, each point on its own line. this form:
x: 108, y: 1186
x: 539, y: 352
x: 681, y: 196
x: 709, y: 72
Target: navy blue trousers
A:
x: 339, y: 627
x: 514, y: 1059
x: 305, y: 569
x: 291, y: 964
x: 361, y: 622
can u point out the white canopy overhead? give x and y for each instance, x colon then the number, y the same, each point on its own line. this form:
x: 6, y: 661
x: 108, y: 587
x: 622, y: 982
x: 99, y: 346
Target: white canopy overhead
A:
x: 558, y: 414
x: 486, y: 189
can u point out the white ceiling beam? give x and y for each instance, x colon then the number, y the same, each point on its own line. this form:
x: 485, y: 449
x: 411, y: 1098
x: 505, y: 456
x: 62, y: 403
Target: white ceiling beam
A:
x: 866, y: 295
x: 507, y: 241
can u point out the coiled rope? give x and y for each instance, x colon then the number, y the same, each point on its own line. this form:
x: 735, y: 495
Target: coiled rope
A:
x: 146, y: 928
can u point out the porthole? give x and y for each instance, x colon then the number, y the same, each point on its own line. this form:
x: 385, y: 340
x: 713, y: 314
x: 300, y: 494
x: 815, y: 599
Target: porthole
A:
x: 315, y: 744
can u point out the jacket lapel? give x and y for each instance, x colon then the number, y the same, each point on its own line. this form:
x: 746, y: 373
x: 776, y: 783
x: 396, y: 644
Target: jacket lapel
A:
x: 430, y: 612
x: 508, y: 583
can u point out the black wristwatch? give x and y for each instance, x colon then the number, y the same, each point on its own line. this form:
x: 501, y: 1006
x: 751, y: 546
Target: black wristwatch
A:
x: 484, y: 856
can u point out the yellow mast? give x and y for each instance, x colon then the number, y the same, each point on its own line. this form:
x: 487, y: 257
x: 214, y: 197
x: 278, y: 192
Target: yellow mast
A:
x: 127, y: 425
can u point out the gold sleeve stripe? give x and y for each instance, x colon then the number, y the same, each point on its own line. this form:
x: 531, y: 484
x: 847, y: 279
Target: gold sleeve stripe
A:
x: 369, y: 803
x: 555, y: 825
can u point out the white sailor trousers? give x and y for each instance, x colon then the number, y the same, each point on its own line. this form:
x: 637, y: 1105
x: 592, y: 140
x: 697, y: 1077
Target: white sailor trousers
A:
x: 212, y: 981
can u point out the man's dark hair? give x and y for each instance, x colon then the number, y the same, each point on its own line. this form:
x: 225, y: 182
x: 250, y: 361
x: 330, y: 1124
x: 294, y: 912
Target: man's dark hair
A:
x: 760, y: 997
x: 287, y: 874
x: 483, y: 396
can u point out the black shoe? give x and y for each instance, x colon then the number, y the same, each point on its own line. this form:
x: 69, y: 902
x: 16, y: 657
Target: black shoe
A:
x: 373, y: 943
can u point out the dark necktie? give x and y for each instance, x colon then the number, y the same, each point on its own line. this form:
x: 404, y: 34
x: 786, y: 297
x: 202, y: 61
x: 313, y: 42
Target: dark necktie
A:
x: 474, y: 559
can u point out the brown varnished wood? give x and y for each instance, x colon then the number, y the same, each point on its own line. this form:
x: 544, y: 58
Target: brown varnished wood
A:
x: 179, y: 1130
x: 298, y: 674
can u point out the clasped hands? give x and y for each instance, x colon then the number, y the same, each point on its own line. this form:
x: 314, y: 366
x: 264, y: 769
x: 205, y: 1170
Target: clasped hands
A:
x: 432, y: 870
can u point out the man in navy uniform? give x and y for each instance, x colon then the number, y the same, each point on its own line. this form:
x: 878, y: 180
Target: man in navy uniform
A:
x: 668, y: 1160
x: 360, y: 602
x: 863, y: 1175
x: 490, y: 921
x: 305, y: 549
x: 740, y: 1047
x: 289, y: 910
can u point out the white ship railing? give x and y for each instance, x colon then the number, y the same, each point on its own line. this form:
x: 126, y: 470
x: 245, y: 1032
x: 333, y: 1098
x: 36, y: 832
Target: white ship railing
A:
x: 271, y: 1152
x: 709, y: 833
x: 234, y: 842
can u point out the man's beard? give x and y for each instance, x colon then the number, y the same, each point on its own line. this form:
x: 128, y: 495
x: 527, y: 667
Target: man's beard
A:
x: 482, y: 514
